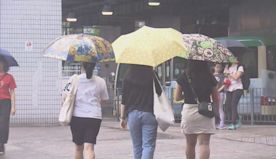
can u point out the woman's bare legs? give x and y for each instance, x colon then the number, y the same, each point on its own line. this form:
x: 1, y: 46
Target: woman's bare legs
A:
x: 78, y: 151
x: 89, y: 151
x: 204, y: 149
x: 191, y: 140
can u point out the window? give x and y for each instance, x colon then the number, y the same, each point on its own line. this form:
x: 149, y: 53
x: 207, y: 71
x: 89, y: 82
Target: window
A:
x: 168, y: 70
x: 122, y: 69
x: 248, y: 57
x: 271, y: 58
x: 179, y: 64
x: 163, y: 71
x: 69, y: 69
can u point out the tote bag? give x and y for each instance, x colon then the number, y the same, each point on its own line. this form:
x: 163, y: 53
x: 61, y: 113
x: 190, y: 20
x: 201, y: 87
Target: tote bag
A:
x: 69, y: 96
x: 162, y: 109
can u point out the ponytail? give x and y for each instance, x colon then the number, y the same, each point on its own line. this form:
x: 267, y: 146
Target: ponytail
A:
x: 89, y: 68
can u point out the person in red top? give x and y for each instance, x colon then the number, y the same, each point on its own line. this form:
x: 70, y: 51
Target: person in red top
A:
x: 7, y: 102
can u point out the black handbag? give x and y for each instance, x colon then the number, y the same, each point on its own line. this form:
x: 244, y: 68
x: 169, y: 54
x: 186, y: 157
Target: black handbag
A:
x: 204, y: 108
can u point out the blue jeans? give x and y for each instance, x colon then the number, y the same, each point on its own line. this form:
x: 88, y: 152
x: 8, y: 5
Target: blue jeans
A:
x: 143, y: 131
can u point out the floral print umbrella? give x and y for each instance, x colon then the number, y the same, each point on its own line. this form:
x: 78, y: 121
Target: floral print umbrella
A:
x: 204, y: 48
x: 80, y: 48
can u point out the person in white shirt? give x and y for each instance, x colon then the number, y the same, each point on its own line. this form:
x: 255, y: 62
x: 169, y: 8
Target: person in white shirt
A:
x: 87, y: 115
x: 234, y: 91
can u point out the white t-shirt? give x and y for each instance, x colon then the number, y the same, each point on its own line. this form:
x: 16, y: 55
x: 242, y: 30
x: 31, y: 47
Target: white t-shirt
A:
x: 235, y: 84
x: 89, y: 95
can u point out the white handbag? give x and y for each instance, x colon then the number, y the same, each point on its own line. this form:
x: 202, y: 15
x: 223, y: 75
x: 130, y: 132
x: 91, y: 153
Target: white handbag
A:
x: 69, y: 96
x: 162, y: 109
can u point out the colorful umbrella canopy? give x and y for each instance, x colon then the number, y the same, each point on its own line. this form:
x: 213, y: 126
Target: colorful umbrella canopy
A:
x: 80, y: 48
x: 149, y: 46
x: 201, y: 47
x: 8, y: 57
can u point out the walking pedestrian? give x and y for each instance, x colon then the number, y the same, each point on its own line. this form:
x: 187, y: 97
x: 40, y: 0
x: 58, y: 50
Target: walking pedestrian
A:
x: 7, y: 102
x: 137, y: 105
x: 87, y: 114
x: 218, y: 73
x: 195, y: 126
x: 233, y: 93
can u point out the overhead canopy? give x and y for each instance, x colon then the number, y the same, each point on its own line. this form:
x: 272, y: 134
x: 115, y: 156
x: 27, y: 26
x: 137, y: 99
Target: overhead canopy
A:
x: 252, y: 41
x: 88, y: 12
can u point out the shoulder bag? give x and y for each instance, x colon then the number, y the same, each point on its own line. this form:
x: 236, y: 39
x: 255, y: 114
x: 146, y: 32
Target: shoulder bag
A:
x: 68, y: 101
x: 204, y: 108
x: 162, y: 109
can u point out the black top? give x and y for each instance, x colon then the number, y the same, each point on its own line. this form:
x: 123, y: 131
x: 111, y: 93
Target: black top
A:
x: 139, y: 97
x: 202, y: 89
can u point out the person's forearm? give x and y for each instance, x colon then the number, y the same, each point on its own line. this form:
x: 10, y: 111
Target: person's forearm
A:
x: 178, y: 95
x: 235, y: 76
x: 123, y: 111
x: 13, y: 99
x: 221, y: 88
x: 215, y: 97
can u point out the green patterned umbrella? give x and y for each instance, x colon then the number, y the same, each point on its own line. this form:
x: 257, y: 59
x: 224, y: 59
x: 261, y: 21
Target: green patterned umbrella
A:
x: 204, y: 48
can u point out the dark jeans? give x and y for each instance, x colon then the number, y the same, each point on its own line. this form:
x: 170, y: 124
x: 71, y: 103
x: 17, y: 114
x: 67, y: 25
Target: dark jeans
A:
x: 5, y: 110
x: 232, y: 102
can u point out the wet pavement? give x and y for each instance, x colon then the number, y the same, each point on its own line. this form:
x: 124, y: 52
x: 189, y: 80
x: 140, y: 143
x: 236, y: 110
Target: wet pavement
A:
x: 248, y: 142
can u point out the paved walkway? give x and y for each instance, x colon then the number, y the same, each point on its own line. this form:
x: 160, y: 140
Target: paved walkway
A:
x: 249, y: 142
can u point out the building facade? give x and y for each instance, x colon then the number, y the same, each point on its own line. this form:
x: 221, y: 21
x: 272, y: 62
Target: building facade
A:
x: 26, y: 27
x: 253, y: 18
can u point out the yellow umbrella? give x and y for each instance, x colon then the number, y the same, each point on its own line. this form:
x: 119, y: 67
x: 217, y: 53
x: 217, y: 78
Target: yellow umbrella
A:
x: 149, y: 46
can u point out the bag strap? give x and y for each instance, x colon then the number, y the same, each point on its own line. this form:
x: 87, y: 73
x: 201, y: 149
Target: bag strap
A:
x: 192, y: 88
x: 156, y: 81
x: 75, y: 83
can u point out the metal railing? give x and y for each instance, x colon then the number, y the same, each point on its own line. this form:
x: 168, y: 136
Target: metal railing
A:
x: 250, y: 108
x: 253, y: 111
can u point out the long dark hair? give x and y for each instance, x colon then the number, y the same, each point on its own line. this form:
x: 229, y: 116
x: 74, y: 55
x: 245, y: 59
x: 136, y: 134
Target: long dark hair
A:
x: 139, y: 75
x: 5, y: 64
x: 200, y: 74
x: 89, y: 68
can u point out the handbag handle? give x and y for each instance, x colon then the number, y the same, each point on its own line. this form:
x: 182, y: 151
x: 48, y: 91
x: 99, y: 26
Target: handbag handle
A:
x: 156, y: 81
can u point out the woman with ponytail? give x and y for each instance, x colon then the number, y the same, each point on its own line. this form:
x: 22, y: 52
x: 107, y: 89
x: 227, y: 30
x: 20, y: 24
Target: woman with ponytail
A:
x: 87, y: 115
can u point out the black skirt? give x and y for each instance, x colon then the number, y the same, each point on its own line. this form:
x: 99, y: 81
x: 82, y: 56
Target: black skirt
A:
x: 85, y: 130
x: 5, y: 111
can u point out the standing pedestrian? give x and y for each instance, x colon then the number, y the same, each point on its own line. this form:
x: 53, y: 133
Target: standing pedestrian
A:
x: 195, y: 126
x: 137, y: 105
x: 87, y: 114
x: 7, y: 102
x: 218, y: 73
x: 234, y: 92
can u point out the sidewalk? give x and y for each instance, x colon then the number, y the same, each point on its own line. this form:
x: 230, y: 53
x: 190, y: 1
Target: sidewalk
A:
x: 249, y: 142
